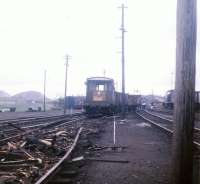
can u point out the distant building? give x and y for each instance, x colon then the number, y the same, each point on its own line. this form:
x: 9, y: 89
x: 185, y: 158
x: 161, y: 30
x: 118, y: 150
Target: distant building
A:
x: 6, y: 104
x: 72, y: 102
x: 25, y: 101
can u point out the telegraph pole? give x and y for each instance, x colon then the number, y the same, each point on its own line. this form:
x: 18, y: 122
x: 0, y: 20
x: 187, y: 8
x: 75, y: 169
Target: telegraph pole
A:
x: 65, y: 95
x: 172, y: 81
x: 104, y: 73
x: 44, y: 102
x: 185, y: 91
x: 123, y: 63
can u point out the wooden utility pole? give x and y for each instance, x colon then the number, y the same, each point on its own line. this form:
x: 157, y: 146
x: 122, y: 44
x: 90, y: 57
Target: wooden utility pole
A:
x: 44, y: 105
x: 123, y: 64
x: 185, y: 91
x: 65, y: 95
x: 172, y: 80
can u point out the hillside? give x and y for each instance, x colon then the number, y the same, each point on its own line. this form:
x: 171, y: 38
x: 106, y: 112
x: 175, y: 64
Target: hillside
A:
x: 29, y: 96
x: 4, y: 94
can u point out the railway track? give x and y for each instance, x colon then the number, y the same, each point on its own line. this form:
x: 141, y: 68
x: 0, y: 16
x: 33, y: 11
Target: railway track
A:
x: 13, y: 134
x: 166, y: 124
x: 39, y: 152
x: 15, y: 127
x: 30, y: 120
x: 164, y: 111
x: 53, y: 171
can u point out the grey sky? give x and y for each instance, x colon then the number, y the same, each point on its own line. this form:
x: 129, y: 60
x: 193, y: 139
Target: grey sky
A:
x: 36, y: 35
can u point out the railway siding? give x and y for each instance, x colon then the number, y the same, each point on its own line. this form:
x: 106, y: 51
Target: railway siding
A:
x: 166, y: 124
x: 141, y: 154
x: 28, y: 154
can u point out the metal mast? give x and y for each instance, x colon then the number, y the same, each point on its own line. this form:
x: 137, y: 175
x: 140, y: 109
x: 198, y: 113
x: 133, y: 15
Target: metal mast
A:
x: 65, y: 95
x: 123, y: 64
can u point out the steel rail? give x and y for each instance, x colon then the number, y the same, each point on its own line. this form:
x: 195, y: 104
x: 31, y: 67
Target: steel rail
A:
x: 197, y: 144
x: 35, y: 119
x: 51, y: 123
x: 156, y: 124
x: 54, y: 124
x: 166, y: 119
x: 29, y: 124
x: 51, y: 172
x: 44, y: 124
x: 161, y: 117
x: 31, y: 118
x: 169, y: 112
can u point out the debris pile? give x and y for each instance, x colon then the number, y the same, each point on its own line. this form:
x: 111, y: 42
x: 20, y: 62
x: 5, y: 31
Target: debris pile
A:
x: 27, y: 158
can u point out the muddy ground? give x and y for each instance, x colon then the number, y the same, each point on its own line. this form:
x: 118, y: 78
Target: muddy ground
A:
x: 141, y: 156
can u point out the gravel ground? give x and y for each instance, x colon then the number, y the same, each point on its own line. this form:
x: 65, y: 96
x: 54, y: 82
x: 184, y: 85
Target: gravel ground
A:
x: 146, y: 148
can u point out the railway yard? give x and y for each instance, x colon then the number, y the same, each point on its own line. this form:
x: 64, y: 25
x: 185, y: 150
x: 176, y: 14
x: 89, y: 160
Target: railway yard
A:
x: 107, y: 142
x: 108, y: 122
x: 81, y: 150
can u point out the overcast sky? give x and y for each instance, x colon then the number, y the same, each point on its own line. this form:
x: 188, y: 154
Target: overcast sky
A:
x: 36, y: 35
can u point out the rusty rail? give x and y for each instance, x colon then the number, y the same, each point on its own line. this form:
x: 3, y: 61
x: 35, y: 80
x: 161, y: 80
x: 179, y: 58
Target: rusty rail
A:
x: 45, y: 126
x: 167, y: 130
x: 51, y: 172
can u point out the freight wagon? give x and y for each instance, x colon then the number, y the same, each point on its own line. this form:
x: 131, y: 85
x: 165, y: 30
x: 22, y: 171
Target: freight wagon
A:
x: 170, y: 97
x: 102, y: 99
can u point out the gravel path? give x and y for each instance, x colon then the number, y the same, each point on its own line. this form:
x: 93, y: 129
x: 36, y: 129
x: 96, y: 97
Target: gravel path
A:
x: 147, y: 150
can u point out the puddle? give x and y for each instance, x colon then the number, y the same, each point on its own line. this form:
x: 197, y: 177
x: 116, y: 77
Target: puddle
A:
x: 123, y: 121
x: 150, y: 143
x: 117, y: 148
x: 143, y: 125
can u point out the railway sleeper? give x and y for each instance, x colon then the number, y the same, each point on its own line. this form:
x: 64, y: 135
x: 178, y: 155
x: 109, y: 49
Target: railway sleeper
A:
x: 62, y: 181
x: 67, y: 173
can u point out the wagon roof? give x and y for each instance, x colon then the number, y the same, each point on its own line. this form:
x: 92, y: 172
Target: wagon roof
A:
x: 99, y: 79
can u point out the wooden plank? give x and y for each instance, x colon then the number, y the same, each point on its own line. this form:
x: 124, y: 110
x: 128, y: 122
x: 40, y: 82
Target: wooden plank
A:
x: 108, y: 160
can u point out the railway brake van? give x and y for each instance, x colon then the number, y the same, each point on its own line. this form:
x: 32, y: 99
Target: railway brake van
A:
x: 100, y: 96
